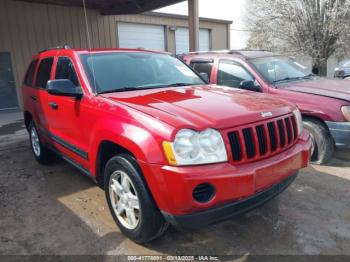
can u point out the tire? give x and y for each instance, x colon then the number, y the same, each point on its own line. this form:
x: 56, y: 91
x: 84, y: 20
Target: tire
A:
x: 41, y: 153
x: 322, y: 141
x: 147, y: 222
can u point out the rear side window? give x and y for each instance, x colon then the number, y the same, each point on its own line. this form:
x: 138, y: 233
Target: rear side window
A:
x: 65, y: 70
x: 202, y: 67
x: 44, y: 71
x: 28, y: 80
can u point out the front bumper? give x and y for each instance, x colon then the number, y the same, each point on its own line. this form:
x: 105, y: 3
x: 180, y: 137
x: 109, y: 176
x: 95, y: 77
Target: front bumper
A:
x: 215, y: 215
x: 172, y: 187
x: 340, y: 132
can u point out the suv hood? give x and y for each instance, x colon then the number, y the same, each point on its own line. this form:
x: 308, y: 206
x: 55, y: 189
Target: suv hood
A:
x: 339, y: 89
x: 200, y: 107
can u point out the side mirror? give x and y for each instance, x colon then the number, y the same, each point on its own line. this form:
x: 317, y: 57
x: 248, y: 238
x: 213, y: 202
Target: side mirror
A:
x: 205, y: 77
x: 250, y: 85
x: 64, y: 87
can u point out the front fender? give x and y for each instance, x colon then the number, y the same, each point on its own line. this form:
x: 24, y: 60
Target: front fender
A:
x: 144, y: 145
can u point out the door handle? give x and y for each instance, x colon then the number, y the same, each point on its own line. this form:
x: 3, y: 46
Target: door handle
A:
x: 53, y: 105
x: 33, y: 98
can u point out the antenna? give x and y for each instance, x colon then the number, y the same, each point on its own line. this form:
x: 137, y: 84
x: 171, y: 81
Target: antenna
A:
x: 90, y: 47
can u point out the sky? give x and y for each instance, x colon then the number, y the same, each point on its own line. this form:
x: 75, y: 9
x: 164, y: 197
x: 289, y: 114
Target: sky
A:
x: 233, y: 10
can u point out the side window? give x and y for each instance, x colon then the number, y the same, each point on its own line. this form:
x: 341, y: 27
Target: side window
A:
x: 202, y: 67
x: 65, y: 70
x: 232, y: 74
x: 28, y: 80
x: 44, y: 71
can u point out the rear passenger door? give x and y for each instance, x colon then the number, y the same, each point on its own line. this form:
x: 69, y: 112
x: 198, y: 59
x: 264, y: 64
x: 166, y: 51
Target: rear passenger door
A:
x: 39, y: 96
x: 231, y: 73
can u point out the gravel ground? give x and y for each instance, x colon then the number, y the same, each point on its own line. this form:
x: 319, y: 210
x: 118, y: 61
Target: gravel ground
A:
x: 56, y: 210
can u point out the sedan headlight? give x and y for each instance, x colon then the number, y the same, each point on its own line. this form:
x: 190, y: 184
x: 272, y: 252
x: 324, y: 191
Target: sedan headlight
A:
x: 346, y: 112
x: 299, y: 120
x: 194, y: 148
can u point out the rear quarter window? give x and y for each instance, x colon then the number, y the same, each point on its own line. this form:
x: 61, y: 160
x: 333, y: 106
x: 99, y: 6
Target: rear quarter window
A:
x: 44, y: 72
x: 29, y: 77
x: 202, y: 67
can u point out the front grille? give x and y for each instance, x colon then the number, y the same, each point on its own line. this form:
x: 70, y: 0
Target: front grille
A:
x: 263, y: 139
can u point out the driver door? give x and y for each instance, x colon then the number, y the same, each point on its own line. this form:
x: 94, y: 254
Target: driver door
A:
x: 65, y: 116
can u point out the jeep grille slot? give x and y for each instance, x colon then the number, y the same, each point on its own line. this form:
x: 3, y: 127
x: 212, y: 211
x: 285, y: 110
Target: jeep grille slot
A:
x: 235, y: 146
x: 251, y: 143
x: 281, y: 133
x: 260, y: 131
x: 273, y: 137
x: 295, y: 128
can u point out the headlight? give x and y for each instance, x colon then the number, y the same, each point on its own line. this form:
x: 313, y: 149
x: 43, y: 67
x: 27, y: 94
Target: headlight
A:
x: 346, y: 112
x: 194, y: 148
x: 299, y: 120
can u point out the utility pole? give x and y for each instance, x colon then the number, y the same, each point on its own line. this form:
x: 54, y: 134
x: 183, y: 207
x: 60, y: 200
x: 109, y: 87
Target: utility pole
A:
x: 193, y: 23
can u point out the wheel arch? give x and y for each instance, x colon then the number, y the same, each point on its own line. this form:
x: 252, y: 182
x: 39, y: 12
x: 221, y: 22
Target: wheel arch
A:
x: 27, y: 118
x: 106, y: 150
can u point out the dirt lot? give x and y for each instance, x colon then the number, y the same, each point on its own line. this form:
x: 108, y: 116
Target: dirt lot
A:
x: 56, y: 210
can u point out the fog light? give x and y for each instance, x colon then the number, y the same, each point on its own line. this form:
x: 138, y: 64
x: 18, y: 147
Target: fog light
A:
x: 203, y: 193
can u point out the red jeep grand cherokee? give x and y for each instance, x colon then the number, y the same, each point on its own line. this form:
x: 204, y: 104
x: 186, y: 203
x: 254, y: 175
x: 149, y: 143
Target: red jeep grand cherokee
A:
x: 324, y: 103
x: 166, y: 147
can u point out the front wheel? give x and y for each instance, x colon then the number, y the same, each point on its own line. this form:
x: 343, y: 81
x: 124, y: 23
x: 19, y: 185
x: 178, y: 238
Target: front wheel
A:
x: 43, y: 155
x: 130, y: 202
x: 322, y: 140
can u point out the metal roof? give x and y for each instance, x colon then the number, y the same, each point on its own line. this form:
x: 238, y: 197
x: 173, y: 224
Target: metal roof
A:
x: 176, y: 16
x: 113, y: 7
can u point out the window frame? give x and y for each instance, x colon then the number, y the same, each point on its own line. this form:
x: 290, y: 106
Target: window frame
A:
x: 57, y: 58
x: 234, y: 62
x: 37, y: 71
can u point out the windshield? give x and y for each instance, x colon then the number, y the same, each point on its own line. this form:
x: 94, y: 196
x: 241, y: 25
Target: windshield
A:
x: 346, y: 64
x: 113, y: 72
x: 279, y: 69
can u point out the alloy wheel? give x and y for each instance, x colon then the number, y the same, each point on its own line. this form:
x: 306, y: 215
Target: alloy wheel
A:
x: 124, y: 199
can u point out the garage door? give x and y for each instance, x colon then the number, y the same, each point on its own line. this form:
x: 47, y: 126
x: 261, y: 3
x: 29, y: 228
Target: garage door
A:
x: 182, y: 40
x: 132, y: 35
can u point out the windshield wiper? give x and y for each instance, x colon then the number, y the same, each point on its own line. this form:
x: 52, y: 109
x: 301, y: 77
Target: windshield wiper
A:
x: 309, y: 76
x: 122, y: 89
x: 287, y: 79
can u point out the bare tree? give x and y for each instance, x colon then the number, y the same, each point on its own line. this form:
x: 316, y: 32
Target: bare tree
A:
x: 318, y: 28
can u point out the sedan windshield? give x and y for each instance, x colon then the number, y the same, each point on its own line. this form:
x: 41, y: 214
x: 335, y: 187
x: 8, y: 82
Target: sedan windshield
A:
x: 128, y: 71
x: 281, y: 69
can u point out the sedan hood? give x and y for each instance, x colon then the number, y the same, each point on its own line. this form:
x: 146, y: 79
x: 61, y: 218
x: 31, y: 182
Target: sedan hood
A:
x: 201, y: 107
x: 339, y: 89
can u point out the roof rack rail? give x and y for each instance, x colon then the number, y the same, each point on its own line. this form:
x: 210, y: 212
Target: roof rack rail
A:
x: 56, y: 47
x: 233, y: 51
